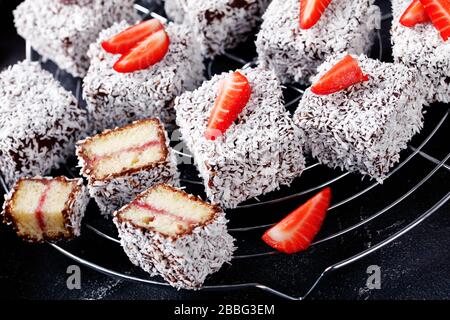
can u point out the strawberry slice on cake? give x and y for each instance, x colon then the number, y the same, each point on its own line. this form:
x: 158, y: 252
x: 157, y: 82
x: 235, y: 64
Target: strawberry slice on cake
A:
x: 362, y: 128
x: 258, y: 149
x: 419, y: 34
x: 141, y: 46
x: 296, y: 36
x: 157, y: 63
x: 341, y: 76
x: 439, y: 13
x: 127, y: 39
x: 145, y: 54
x: 234, y: 93
x: 414, y: 14
x: 311, y: 11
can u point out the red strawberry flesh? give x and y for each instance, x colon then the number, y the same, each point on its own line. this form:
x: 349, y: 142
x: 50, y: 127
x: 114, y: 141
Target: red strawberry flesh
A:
x: 311, y: 11
x: 234, y: 93
x: 343, y: 75
x: 127, y: 39
x: 439, y: 13
x: 147, y: 53
x: 297, y: 230
x: 414, y: 14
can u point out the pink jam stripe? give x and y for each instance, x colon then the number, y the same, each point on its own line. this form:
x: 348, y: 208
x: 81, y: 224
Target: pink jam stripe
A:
x: 154, y: 210
x: 38, y: 212
x: 140, y: 148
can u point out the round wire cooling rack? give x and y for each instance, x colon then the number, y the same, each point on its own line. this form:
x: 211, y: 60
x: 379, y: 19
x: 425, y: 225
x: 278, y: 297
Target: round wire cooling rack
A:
x: 353, y: 228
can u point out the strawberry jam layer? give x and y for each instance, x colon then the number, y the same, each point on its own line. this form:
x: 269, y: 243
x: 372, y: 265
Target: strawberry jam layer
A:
x: 38, y: 212
x: 134, y: 149
x: 153, y: 210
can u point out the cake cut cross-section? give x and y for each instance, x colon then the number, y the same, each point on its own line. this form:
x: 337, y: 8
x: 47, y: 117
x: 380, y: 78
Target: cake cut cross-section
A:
x: 364, y: 127
x: 218, y: 24
x: 121, y: 163
x: 259, y: 152
x: 115, y: 99
x: 295, y: 53
x: 170, y: 233
x: 62, y: 30
x: 46, y: 209
x: 39, y: 122
x: 422, y: 48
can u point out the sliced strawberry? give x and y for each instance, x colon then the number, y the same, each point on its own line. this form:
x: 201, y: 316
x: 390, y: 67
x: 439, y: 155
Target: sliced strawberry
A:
x: 439, y: 13
x: 311, y: 11
x: 414, y: 14
x: 127, y: 39
x: 343, y: 75
x: 297, y: 230
x: 145, y: 54
x: 234, y: 93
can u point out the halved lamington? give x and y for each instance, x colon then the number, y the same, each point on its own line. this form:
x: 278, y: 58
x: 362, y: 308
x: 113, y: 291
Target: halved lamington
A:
x: 46, y: 208
x: 123, y: 162
x: 420, y: 46
x: 260, y: 149
x: 362, y: 127
x: 39, y: 122
x: 139, y: 91
x: 218, y: 24
x: 294, y: 49
x: 170, y: 233
x: 61, y: 30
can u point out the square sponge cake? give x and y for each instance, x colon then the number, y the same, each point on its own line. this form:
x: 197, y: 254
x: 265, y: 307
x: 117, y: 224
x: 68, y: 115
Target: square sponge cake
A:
x: 294, y: 53
x: 168, y: 232
x: 46, y: 208
x: 259, y: 152
x: 217, y: 24
x: 121, y: 163
x: 115, y: 99
x: 422, y: 48
x: 61, y: 30
x: 39, y: 122
x: 363, y: 128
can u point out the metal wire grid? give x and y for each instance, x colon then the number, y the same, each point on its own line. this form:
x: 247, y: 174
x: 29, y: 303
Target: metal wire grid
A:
x: 439, y: 164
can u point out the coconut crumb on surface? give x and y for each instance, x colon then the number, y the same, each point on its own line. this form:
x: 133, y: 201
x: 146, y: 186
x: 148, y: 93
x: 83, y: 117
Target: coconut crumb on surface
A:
x: 362, y: 128
x: 294, y: 54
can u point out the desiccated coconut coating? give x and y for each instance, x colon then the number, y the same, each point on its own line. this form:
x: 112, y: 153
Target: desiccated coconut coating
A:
x: 184, y: 260
x: 112, y: 191
x: 39, y: 122
x: 115, y: 99
x: 363, y: 128
x: 256, y: 155
x: 294, y: 54
x: 422, y: 48
x: 218, y: 24
x: 62, y: 33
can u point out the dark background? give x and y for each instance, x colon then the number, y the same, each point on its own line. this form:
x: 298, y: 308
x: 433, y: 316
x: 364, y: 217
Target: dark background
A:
x: 414, y: 267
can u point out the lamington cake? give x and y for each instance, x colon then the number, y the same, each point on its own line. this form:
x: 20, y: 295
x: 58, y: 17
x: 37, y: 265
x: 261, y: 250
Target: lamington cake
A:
x: 420, y: 46
x: 294, y: 51
x: 363, y: 127
x: 260, y: 150
x: 39, y: 122
x: 117, y: 98
x: 170, y: 233
x: 121, y: 163
x: 218, y: 24
x: 46, y: 209
x: 61, y: 30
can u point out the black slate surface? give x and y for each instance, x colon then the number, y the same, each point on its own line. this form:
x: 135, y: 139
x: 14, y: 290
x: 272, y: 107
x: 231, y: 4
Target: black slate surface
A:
x: 416, y: 266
